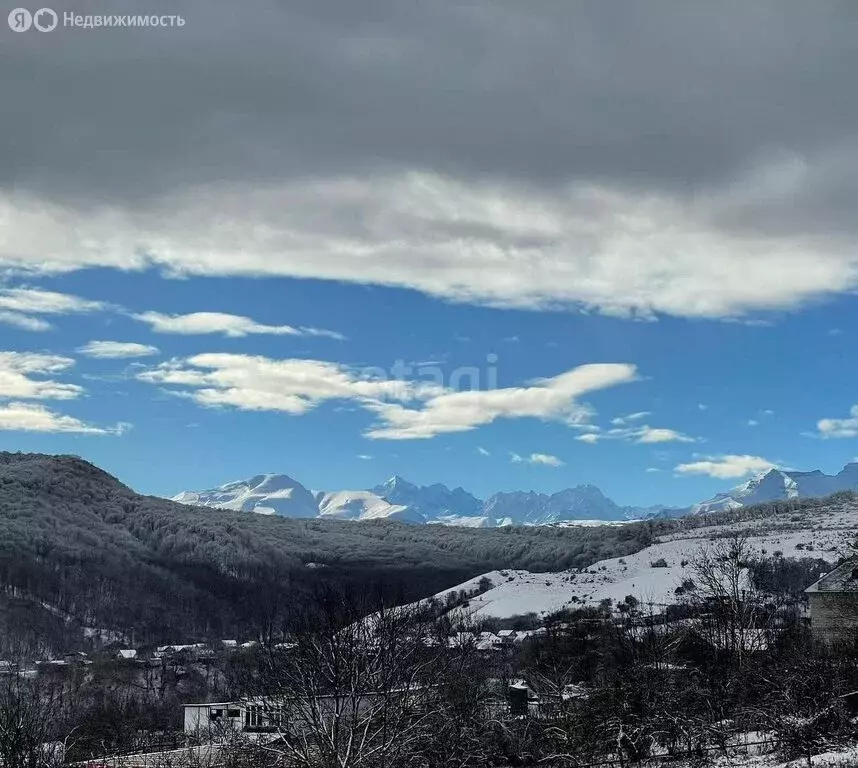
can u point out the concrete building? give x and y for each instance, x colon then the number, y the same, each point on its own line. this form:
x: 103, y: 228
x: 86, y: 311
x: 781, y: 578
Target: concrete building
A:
x: 834, y: 604
x: 205, y: 718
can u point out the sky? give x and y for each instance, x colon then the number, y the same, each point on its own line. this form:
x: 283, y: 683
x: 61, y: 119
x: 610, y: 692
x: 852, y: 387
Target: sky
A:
x: 491, y: 244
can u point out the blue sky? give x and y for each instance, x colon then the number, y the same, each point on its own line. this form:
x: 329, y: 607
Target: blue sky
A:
x: 705, y: 381
x: 219, y: 243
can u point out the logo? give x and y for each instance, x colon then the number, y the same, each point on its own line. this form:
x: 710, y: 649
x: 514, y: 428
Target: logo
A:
x: 20, y: 20
x: 45, y: 20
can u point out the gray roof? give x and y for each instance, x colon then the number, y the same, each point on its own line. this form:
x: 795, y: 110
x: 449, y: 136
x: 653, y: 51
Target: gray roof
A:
x: 841, y: 579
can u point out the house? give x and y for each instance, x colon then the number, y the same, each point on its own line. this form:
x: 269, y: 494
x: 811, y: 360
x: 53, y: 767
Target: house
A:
x: 128, y: 654
x: 834, y: 604
x: 507, y: 635
x: 205, y: 718
x: 259, y: 718
x: 488, y: 641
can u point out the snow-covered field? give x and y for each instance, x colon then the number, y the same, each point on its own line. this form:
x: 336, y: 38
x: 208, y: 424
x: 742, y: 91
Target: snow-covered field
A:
x: 825, y: 534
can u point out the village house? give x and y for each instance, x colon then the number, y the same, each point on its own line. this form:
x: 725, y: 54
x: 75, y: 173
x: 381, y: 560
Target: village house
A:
x: 834, y: 604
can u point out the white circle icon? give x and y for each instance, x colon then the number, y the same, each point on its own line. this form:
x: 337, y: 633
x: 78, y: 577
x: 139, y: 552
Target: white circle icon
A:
x: 45, y: 20
x: 20, y: 20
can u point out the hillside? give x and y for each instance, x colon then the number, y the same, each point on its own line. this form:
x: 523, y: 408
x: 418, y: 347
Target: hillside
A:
x: 84, y: 551
x: 818, y: 531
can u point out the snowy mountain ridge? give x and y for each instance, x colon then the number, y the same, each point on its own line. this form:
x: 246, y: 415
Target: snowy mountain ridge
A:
x: 399, y: 499
x: 776, y: 484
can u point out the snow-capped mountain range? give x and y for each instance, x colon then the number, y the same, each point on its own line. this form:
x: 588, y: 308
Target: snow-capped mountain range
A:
x: 782, y: 484
x: 398, y: 499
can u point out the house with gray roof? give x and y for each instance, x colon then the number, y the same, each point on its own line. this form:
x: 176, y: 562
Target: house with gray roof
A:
x: 834, y: 604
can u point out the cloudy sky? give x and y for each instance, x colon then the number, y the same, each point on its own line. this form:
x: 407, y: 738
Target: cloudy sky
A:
x: 493, y: 244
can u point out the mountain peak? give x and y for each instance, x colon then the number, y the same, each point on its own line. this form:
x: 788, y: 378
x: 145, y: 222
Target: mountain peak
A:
x: 397, y: 482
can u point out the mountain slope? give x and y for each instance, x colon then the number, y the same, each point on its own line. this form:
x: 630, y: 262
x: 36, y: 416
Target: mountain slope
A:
x: 361, y: 505
x: 782, y: 484
x: 431, y: 503
x: 584, y: 502
x: 817, y: 532
x: 265, y: 494
x: 76, y: 539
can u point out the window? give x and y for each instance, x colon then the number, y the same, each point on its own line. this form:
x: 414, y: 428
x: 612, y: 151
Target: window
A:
x: 233, y: 713
x: 215, y: 714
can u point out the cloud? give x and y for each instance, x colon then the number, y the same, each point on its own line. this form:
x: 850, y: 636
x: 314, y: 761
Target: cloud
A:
x: 482, y: 451
x: 404, y: 410
x: 256, y: 383
x: 637, y: 434
x: 753, y: 423
x: 34, y: 417
x: 652, y: 469
x: 17, y: 370
x: 622, y: 420
x: 726, y: 466
x: 553, y: 399
x: 117, y: 349
x: 364, y: 456
x: 18, y: 305
x: 702, y: 406
x: 496, y: 243
x: 647, y: 434
x: 385, y: 164
x: 589, y: 437
x: 25, y: 322
x: 845, y: 427
x: 544, y: 459
x: 233, y: 326
x: 39, y: 302
x: 22, y: 378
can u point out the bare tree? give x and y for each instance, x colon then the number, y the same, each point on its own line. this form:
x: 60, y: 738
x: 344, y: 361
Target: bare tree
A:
x: 355, y: 685
x: 733, y: 614
x: 27, y: 720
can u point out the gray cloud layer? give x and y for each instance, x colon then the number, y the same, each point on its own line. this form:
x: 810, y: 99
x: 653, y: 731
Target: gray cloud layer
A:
x: 729, y: 121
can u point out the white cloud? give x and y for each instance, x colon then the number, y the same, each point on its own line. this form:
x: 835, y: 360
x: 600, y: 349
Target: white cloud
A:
x: 489, y: 242
x: 652, y: 469
x: 727, y: 466
x: 702, y: 406
x: 34, y: 417
x: 482, y: 451
x: 26, y: 322
x: 637, y: 434
x: 554, y: 399
x: 18, y: 305
x: 365, y: 457
x: 35, y: 301
x: 846, y: 427
x: 255, y: 383
x: 753, y: 423
x: 117, y: 349
x: 647, y: 434
x: 405, y: 409
x: 545, y: 459
x: 233, y: 326
x: 622, y: 420
x: 589, y: 437
x: 18, y: 368
x: 22, y: 378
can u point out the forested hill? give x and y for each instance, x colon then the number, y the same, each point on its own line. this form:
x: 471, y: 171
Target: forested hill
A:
x: 78, y: 549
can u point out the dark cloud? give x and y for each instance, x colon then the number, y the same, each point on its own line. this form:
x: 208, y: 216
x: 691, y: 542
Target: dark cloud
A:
x: 670, y: 96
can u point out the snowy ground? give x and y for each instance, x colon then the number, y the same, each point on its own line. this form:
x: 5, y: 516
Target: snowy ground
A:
x: 824, y: 534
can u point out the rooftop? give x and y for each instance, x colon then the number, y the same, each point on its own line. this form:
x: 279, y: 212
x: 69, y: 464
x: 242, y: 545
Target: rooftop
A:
x: 844, y: 578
